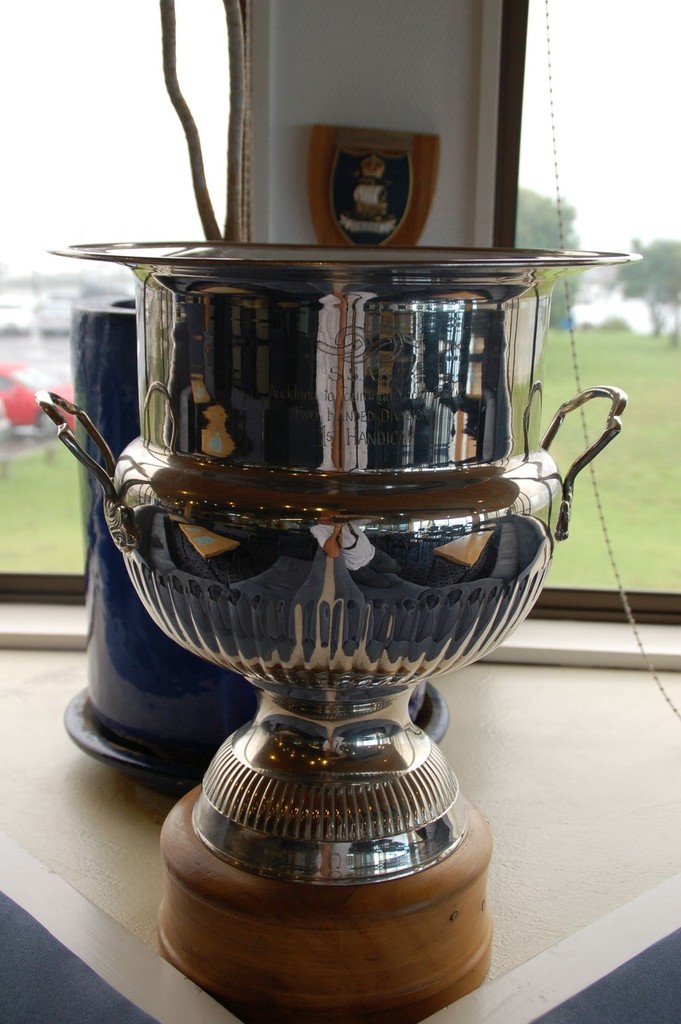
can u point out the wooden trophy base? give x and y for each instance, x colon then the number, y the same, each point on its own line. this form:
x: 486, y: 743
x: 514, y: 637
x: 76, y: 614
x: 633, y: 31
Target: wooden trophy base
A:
x: 389, y: 952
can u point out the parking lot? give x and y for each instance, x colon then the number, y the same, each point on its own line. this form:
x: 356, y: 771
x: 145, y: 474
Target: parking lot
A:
x: 48, y: 354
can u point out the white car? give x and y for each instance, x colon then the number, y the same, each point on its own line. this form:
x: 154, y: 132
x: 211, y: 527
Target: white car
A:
x: 16, y: 315
x: 53, y: 314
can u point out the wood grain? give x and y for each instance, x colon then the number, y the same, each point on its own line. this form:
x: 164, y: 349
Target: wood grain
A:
x: 388, y: 952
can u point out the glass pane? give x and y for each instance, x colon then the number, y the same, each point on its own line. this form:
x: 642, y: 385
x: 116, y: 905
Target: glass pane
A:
x: 93, y: 152
x: 613, y: 74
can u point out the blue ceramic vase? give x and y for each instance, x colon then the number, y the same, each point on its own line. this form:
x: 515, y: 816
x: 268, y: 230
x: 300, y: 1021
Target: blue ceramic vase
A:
x: 150, y: 708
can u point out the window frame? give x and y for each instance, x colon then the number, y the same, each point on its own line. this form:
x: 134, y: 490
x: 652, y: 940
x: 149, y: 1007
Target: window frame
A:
x: 658, y: 607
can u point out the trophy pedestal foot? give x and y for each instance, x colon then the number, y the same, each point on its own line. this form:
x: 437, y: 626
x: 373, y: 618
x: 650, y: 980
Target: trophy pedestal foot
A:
x: 389, y: 952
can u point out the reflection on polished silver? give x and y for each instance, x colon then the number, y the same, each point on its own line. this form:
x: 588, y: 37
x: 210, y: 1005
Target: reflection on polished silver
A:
x: 348, y: 800
x: 341, y: 489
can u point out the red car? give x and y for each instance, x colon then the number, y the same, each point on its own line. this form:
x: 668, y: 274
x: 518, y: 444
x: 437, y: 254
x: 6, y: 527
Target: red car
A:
x: 18, y: 385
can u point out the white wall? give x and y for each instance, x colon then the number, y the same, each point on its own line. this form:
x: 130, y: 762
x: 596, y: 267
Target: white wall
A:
x: 427, y: 66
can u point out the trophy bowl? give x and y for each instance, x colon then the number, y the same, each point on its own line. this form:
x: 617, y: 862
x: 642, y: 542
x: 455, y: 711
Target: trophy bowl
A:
x: 341, y: 490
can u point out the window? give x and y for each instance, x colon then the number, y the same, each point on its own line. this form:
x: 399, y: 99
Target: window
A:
x: 98, y: 155
x: 93, y: 151
x: 603, y: 98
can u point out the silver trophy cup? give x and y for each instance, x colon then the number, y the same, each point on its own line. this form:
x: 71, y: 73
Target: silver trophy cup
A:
x: 341, y: 489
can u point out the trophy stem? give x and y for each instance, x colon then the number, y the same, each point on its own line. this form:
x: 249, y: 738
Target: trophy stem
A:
x: 333, y: 792
x: 388, y: 952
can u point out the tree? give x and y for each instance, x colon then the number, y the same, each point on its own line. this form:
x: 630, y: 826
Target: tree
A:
x: 538, y: 227
x: 657, y: 281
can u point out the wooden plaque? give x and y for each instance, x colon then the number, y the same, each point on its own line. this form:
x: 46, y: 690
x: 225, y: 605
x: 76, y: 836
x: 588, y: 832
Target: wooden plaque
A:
x: 369, y: 187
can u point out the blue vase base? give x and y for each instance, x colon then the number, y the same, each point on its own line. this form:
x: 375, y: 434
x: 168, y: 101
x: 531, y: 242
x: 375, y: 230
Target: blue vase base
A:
x: 174, y: 772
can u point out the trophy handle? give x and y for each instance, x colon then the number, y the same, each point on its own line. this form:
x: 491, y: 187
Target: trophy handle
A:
x: 613, y: 425
x: 118, y: 517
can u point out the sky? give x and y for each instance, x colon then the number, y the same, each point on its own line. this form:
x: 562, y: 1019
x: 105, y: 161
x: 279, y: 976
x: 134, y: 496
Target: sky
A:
x: 93, y: 152
x: 92, y: 149
x: 615, y: 73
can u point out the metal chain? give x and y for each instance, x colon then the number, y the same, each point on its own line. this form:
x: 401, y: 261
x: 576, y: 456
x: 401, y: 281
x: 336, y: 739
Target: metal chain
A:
x: 626, y: 605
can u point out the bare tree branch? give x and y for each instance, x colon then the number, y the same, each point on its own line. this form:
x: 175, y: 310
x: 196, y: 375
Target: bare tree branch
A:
x: 205, y: 207
x: 237, y: 107
x: 246, y: 146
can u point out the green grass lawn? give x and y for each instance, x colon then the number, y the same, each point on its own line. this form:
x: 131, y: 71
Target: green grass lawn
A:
x: 638, y: 475
x: 40, y: 514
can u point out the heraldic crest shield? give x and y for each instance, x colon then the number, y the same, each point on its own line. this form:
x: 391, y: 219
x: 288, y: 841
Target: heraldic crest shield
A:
x: 370, y: 187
